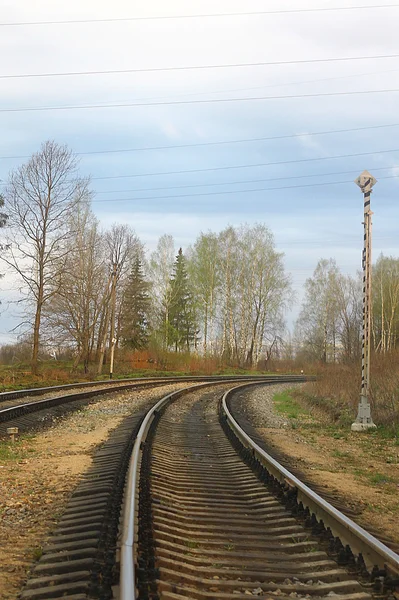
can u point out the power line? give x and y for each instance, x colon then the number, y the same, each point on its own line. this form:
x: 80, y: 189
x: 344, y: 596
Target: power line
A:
x: 269, y: 164
x: 219, y: 142
x: 229, y: 192
x: 198, y: 16
x: 196, y: 67
x: 181, y: 102
x: 218, y: 184
x: 248, y: 166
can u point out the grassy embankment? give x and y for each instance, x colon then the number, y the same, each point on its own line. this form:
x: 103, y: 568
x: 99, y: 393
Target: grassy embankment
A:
x: 370, y: 457
x: 336, y: 392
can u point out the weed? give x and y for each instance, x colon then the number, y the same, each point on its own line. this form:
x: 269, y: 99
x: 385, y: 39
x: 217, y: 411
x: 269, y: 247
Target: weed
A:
x: 37, y: 553
x: 191, y: 544
x: 229, y: 547
x: 298, y: 539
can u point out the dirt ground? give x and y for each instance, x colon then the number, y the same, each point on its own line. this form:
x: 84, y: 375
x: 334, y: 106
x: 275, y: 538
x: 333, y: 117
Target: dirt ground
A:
x: 39, y: 472
x: 354, y: 468
x: 362, y: 469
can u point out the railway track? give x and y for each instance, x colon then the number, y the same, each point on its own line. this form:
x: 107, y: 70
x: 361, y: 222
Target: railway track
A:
x: 39, y: 412
x: 206, y: 514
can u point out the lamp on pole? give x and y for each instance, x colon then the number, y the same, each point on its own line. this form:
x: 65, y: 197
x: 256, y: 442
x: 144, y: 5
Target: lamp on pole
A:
x: 363, y: 420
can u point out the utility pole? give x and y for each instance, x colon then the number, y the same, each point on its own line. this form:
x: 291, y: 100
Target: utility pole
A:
x: 363, y: 420
x: 112, y: 328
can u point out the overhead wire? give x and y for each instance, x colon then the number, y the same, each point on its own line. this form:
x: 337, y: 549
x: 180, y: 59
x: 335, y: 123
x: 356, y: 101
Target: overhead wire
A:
x: 198, y: 16
x: 201, y: 67
x: 219, y: 142
x: 245, y: 166
x: 230, y: 192
x: 227, y: 167
x: 185, y: 102
x: 240, y: 182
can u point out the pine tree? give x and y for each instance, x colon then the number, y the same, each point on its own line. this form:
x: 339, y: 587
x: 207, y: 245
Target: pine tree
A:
x: 182, y: 324
x: 135, y: 309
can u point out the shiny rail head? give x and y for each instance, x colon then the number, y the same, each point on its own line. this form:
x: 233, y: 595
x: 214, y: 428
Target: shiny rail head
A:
x: 361, y: 541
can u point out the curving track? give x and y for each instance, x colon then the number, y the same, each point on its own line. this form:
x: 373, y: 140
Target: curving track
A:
x: 52, y: 401
x: 205, y: 515
x: 216, y: 531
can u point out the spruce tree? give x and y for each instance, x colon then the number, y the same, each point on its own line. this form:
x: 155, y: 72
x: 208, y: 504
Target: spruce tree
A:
x: 183, y: 331
x: 135, y: 309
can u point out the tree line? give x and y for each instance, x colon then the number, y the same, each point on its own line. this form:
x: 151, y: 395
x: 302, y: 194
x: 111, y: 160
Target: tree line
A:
x: 329, y: 327
x: 95, y: 290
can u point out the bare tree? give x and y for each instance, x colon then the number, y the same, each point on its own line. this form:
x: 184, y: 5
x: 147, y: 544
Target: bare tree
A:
x: 122, y: 247
x: 73, y: 313
x: 39, y: 198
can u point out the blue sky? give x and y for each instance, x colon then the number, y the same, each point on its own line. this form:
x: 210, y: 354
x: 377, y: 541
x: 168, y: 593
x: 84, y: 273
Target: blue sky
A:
x: 308, y: 221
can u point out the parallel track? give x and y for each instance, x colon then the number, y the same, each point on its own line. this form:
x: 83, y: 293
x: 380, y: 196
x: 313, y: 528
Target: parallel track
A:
x: 28, y: 414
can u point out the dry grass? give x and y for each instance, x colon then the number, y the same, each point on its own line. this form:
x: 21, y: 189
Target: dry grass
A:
x: 337, y: 389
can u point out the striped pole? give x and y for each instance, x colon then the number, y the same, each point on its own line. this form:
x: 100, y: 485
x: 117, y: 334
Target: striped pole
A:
x: 363, y: 419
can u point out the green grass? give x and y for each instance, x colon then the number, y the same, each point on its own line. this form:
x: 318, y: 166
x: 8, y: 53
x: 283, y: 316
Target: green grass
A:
x: 378, y: 478
x: 9, y: 452
x: 339, y: 454
x: 385, y: 432
x: 287, y: 406
x: 13, y: 451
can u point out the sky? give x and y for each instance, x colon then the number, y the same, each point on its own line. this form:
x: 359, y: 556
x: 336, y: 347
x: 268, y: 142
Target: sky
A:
x: 196, y: 134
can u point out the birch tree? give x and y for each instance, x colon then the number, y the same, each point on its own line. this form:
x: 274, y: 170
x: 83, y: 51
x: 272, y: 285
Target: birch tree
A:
x: 161, y: 266
x: 318, y: 318
x: 266, y: 290
x: 349, y: 305
x: 203, y: 267
x: 39, y: 198
x: 386, y: 303
x: 122, y: 247
x: 229, y: 266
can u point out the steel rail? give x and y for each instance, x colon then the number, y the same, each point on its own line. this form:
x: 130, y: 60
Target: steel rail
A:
x: 129, y: 522
x: 11, y: 412
x: 15, y: 394
x: 361, y: 542
x: 127, y: 582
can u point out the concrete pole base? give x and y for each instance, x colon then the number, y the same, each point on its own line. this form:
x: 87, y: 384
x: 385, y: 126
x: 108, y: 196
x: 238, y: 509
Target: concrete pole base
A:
x: 362, y: 426
x: 363, y: 419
